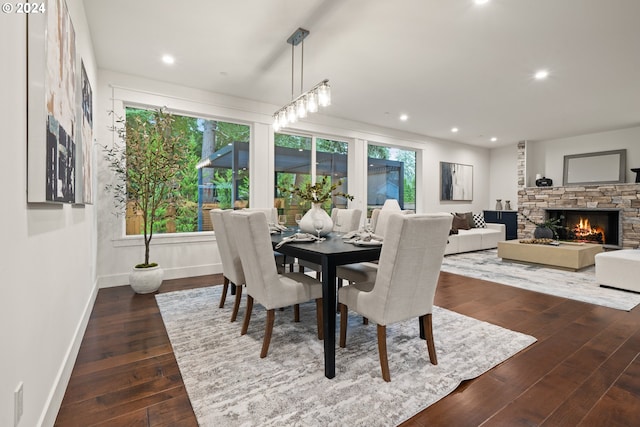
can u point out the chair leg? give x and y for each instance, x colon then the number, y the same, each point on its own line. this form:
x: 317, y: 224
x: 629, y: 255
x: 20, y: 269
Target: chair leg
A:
x: 236, y: 304
x: 296, y: 312
x: 319, y: 318
x: 382, y: 350
x: 271, y: 315
x: 223, y: 296
x: 365, y: 320
x: 428, y: 332
x: 317, y: 275
x: 343, y: 325
x: 247, y: 315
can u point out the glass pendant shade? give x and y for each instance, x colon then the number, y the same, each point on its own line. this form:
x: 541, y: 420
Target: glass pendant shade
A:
x: 324, y: 95
x: 291, y: 114
x: 301, y: 108
x: 312, y: 102
x: 282, y: 118
x: 276, y: 122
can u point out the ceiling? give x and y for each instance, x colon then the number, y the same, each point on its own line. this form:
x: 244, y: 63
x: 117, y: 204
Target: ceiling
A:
x: 444, y: 63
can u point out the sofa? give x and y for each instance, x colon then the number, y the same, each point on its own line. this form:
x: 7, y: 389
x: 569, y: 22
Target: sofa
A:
x: 475, y: 239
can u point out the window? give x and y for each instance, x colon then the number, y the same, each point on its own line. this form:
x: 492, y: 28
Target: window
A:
x: 216, y: 175
x: 391, y: 174
x: 294, y: 167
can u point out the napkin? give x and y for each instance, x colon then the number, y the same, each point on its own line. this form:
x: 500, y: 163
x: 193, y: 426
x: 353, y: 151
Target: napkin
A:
x: 362, y: 235
x: 297, y: 237
x: 276, y: 228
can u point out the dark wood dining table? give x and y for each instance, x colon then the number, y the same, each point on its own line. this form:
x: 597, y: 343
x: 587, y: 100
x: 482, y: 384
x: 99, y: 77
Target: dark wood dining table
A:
x: 330, y: 253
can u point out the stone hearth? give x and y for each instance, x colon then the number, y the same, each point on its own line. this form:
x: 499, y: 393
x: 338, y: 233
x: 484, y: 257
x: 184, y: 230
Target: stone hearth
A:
x: 534, y: 201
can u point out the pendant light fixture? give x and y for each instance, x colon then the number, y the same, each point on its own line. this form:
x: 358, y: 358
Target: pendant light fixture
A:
x: 307, y: 102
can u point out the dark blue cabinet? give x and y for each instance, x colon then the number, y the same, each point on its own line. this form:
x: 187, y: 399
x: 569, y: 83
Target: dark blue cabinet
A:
x: 508, y: 218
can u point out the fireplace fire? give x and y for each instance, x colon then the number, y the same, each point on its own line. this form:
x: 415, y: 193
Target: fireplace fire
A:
x: 585, y: 232
x: 600, y: 226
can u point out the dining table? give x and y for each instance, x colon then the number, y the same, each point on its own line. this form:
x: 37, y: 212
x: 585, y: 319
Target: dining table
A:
x: 329, y: 253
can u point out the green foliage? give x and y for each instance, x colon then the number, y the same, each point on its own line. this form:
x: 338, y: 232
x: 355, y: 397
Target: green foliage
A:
x: 147, y: 161
x: 319, y: 192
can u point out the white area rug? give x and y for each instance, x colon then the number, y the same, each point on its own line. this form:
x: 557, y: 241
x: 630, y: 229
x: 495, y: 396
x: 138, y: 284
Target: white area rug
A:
x: 229, y: 385
x: 580, y: 285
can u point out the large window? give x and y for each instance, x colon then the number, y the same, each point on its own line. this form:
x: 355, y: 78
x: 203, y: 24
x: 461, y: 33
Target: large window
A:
x: 294, y: 166
x: 391, y: 174
x: 216, y: 175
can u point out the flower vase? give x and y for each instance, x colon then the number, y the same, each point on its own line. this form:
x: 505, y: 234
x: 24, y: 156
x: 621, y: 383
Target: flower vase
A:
x: 307, y: 223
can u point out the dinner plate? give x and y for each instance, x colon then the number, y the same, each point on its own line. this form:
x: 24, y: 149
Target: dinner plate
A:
x: 368, y: 243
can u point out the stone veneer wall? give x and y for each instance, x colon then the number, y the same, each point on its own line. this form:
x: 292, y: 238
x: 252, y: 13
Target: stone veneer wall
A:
x: 532, y: 202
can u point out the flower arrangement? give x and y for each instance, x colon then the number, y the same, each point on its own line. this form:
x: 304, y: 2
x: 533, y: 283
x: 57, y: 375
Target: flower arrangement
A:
x: 319, y: 192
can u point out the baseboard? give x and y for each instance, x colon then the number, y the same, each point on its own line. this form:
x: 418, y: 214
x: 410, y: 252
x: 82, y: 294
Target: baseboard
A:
x: 54, y: 400
x: 169, y: 273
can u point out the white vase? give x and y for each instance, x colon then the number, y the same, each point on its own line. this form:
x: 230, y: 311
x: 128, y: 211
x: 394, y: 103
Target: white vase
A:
x: 307, y: 223
x: 146, y: 280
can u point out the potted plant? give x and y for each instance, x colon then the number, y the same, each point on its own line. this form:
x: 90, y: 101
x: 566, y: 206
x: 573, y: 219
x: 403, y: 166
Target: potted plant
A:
x: 146, y: 159
x: 317, y: 194
x: 547, y: 229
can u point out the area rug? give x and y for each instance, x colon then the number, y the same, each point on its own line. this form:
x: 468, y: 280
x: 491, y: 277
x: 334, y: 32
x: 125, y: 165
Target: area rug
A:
x: 229, y: 385
x: 579, y: 285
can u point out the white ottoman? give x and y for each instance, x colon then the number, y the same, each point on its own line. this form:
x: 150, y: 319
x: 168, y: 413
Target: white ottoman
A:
x: 619, y: 269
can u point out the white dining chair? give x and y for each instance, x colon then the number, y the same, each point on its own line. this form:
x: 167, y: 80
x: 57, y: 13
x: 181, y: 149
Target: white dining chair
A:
x: 263, y: 283
x: 405, y: 283
x: 231, y: 265
x: 272, y: 218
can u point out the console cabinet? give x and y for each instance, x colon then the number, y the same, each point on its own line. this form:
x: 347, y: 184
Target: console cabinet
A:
x: 508, y: 218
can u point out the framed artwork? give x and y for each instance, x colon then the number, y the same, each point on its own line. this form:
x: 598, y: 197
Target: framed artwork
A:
x: 52, y: 118
x: 84, y: 175
x: 456, y: 182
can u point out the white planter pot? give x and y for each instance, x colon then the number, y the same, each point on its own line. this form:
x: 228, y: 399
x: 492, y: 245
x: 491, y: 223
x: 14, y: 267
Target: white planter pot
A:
x: 146, y: 280
x: 307, y: 223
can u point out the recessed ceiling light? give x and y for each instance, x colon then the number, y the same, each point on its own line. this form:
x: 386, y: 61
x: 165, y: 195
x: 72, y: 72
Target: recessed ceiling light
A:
x: 454, y: 130
x: 541, y: 74
x: 404, y: 117
x: 494, y: 139
x: 480, y: 1
x: 168, y: 59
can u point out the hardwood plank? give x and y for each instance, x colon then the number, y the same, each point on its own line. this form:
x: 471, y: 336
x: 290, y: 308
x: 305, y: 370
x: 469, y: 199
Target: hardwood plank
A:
x: 584, y: 369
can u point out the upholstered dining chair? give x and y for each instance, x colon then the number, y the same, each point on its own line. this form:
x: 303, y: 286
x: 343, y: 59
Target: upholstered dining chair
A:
x: 231, y: 265
x: 344, y: 220
x: 272, y: 218
x: 263, y: 283
x: 405, y: 282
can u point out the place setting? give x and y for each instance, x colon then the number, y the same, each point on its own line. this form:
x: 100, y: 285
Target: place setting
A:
x: 363, y: 237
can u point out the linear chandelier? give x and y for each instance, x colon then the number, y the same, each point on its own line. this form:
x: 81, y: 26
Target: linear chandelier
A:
x: 306, y: 102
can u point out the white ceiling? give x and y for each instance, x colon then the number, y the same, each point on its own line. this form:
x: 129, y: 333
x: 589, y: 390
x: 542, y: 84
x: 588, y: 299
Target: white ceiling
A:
x: 444, y: 63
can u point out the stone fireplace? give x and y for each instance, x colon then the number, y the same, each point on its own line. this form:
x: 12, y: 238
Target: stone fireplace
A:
x: 589, y: 225
x: 621, y: 200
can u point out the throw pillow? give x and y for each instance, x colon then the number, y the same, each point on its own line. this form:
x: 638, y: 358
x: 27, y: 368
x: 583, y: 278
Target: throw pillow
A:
x: 478, y: 221
x: 460, y: 223
x: 468, y: 216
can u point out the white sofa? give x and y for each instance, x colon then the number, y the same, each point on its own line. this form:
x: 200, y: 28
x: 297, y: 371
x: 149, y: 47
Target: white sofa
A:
x: 476, y: 239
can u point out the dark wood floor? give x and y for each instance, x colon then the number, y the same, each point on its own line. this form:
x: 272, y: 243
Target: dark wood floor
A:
x: 584, y: 369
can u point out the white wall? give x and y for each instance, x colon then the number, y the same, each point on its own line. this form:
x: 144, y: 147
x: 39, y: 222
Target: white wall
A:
x: 47, y: 267
x: 182, y: 256
x: 547, y: 157
x: 503, y: 177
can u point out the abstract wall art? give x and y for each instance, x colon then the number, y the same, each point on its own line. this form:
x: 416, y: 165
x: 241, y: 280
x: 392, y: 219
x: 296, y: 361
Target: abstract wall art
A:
x: 456, y: 182
x: 52, y: 118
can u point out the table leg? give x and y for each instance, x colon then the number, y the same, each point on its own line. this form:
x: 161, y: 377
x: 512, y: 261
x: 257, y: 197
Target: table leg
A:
x: 329, y: 316
x: 420, y: 321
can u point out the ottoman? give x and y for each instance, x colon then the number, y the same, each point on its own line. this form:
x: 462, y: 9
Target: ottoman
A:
x: 619, y: 269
